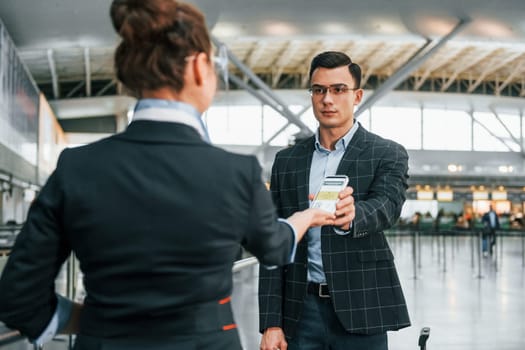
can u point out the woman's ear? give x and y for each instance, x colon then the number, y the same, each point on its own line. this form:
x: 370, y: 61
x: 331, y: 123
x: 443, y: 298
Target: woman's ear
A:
x: 201, y: 67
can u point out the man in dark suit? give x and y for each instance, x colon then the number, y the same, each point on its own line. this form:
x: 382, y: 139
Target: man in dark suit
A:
x: 490, y: 225
x: 342, y: 291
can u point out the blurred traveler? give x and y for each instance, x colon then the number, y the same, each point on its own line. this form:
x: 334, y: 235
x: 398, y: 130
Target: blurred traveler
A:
x: 490, y: 222
x: 415, y: 220
x: 342, y: 291
x: 155, y: 215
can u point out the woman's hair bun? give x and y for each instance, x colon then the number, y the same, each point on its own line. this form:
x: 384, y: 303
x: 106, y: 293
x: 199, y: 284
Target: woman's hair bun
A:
x: 157, y: 37
x: 142, y: 20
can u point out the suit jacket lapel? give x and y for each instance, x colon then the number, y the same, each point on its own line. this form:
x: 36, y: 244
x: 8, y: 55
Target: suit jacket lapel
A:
x: 353, y: 150
x: 304, y: 161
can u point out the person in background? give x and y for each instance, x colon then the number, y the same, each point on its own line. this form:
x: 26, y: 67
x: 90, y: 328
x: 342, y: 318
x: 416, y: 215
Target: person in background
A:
x: 490, y: 222
x: 155, y: 215
x: 469, y: 218
x: 415, y: 220
x: 342, y: 290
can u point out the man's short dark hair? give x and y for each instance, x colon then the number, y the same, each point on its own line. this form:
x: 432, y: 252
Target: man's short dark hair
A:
x: 335, y: 59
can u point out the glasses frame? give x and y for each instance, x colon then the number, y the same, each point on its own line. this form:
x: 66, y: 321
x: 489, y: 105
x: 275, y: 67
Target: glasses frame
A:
x: 325, y: 89
x: 220, y: 61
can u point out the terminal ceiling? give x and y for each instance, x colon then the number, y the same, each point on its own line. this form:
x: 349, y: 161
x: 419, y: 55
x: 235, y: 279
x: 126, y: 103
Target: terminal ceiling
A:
x: 468, y: 46
x: 68, y: 44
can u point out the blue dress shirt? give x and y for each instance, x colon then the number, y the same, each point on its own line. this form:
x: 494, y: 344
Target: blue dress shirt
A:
x: 324, y: 163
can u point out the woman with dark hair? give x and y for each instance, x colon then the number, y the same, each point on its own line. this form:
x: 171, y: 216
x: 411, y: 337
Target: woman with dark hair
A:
x: 155, y: 215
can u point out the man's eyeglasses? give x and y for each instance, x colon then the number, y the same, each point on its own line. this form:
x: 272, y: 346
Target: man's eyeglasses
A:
x: 335, y: 89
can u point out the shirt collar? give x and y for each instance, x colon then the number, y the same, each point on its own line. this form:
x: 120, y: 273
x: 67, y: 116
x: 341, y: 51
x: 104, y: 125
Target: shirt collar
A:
x: 169, y: 104
x: 342, y: 142
x: 170, y: 111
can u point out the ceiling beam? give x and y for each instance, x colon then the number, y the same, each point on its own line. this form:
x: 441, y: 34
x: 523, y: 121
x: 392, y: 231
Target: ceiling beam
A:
x: 492, y: 66
x: 91, y: 106
x: 53, y: 72
x: 461, y: 68
x: 471, y: 113
x: 278, y: 132
x: 504, y: 125
x: 292, y: 118
x: 256, y: 53
x: 106, y: 87
x: 438, y: 63
x: 75, y: 89
x: 374, y: 60
x: 270, y: 95
x: 408, y: 68
x: 283, y: 59
x: 87, y: 70
x: 517, y: 70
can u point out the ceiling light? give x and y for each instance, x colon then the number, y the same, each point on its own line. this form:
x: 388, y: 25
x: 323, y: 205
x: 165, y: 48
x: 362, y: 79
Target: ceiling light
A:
x: 505, y: 169
x: 226, y: 29
x: 334, y: 28
x: 489, y: 28
x: 387, y: 26
x: 279, y: 29
x: 454, y: 168
x: 434, y: 26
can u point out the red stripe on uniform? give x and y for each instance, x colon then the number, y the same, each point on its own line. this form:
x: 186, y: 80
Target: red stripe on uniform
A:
x: 229, y: 326
x: 225, y: 300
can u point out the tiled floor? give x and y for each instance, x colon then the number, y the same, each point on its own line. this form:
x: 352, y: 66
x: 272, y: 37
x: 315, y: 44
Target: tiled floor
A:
x: 463, y: 310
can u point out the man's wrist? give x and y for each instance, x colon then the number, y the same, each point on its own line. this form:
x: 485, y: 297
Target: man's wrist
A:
x: 341, y: 231
x: 275, y: 328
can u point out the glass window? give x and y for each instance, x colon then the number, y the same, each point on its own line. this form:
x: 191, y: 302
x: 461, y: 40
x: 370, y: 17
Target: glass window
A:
x: 234, y: 125
x: 491, y: 135
x: 446, y: 130
x: 402, y: 125
x: 273, y: 122
x: 254, y: 124
x: 307, y: 117
x: 364, y: 119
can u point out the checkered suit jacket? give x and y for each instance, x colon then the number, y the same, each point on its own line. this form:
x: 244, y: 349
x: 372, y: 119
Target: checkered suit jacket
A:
x: 360, y: 271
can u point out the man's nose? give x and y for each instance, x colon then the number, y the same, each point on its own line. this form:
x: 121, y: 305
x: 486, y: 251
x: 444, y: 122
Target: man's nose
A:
x: 327, y: 97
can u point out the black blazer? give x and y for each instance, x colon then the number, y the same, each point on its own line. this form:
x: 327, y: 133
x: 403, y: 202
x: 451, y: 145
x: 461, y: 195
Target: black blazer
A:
x: 359, y: 267
x: 156, y: 217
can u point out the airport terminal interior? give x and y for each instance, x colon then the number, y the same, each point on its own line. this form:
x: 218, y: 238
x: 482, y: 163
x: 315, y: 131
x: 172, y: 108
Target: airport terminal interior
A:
x: 445, y: 79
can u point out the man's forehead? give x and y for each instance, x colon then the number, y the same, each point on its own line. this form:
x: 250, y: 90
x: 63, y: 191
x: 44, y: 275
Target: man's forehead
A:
x: 327, y: 76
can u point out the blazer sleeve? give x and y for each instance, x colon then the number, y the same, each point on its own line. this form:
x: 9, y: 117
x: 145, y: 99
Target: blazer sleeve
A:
x: 27, y: 285
x: 386, y: 194
x: 270, y: 240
